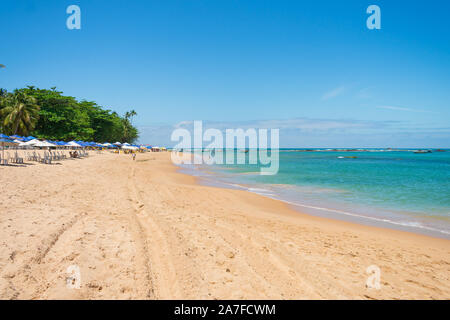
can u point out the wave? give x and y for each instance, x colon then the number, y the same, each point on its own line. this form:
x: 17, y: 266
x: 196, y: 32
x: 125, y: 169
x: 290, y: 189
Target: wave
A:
x: 215, y: 179
x: 400, y: 223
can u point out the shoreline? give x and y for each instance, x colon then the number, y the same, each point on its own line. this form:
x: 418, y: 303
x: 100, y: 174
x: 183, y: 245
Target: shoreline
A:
x: 294, y: 208
x: 142, y: 230
x: 209, y: 178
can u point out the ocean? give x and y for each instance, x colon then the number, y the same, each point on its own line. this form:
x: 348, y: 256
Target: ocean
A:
x: 398, y: 189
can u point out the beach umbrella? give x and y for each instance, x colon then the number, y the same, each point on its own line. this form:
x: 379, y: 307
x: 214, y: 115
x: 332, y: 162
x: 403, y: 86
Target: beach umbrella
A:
x: 129, y: 147
x: 3, y: 136
x: 30, y: 138
x: 16, y: 137
x: 72, y: 144
x: 30, y: 142
x: 7, y: 142
x: 22, y: 144
x: 42, y: 144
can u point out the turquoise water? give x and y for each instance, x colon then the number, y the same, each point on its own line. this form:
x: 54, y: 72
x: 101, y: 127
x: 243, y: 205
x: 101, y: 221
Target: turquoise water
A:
x: 400, y: 187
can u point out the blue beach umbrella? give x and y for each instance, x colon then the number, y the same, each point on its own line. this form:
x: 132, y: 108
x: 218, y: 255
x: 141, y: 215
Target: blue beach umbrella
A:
x: 6, y: 140
x: 3, y: 136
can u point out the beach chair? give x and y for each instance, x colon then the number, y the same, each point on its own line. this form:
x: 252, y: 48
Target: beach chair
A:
x: 47, y: 158
x: 3, y: 161
x: 17, y: 159
x: 9, y: 158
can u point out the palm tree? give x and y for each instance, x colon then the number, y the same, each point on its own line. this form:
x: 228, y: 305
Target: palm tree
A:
x: 19, y: 113
x: 127, y: 125
x: 130, y: 114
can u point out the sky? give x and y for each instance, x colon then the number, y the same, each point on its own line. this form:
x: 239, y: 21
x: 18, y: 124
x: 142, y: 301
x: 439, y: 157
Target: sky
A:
x: 312, y: 69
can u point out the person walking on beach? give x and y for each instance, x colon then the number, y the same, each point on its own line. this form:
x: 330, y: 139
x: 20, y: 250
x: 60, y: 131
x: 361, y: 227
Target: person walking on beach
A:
x: 134, y: 156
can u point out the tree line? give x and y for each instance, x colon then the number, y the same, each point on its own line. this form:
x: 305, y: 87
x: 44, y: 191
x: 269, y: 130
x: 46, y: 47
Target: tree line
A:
x: 48, y: 114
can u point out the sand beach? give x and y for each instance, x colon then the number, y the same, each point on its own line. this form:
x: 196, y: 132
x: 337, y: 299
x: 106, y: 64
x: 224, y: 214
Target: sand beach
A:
x: 142, y: 230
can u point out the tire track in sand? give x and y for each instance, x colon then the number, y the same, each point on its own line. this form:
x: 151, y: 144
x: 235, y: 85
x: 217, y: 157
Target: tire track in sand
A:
x: 140, y: 236
x: 26, y: 272
x: 165, y: 283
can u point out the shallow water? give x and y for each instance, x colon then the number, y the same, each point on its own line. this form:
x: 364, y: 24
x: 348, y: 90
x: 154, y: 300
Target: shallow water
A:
x: 399, y: 188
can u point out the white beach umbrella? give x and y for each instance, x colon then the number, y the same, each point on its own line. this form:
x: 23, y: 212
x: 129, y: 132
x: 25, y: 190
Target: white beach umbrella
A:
x: 129, y: 147
x: 30, y: 143
x: 44, y: 144
x: 72, y: 144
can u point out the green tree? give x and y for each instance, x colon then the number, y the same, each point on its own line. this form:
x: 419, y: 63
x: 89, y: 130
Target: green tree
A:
x: 130, y: 133
x: 19, y: 113
x: 63, y: 117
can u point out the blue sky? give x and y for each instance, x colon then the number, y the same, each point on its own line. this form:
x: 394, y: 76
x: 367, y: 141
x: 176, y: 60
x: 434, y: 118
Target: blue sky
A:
x: 312, y: 69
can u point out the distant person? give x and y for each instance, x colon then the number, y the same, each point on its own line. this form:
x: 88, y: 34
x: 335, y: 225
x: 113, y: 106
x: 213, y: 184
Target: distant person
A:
x: 134, y: 156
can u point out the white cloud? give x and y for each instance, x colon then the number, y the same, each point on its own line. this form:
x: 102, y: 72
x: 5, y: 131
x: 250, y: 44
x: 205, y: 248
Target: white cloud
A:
x: 402, y: 109
x: 306, y: 132
x: 333, y: 93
